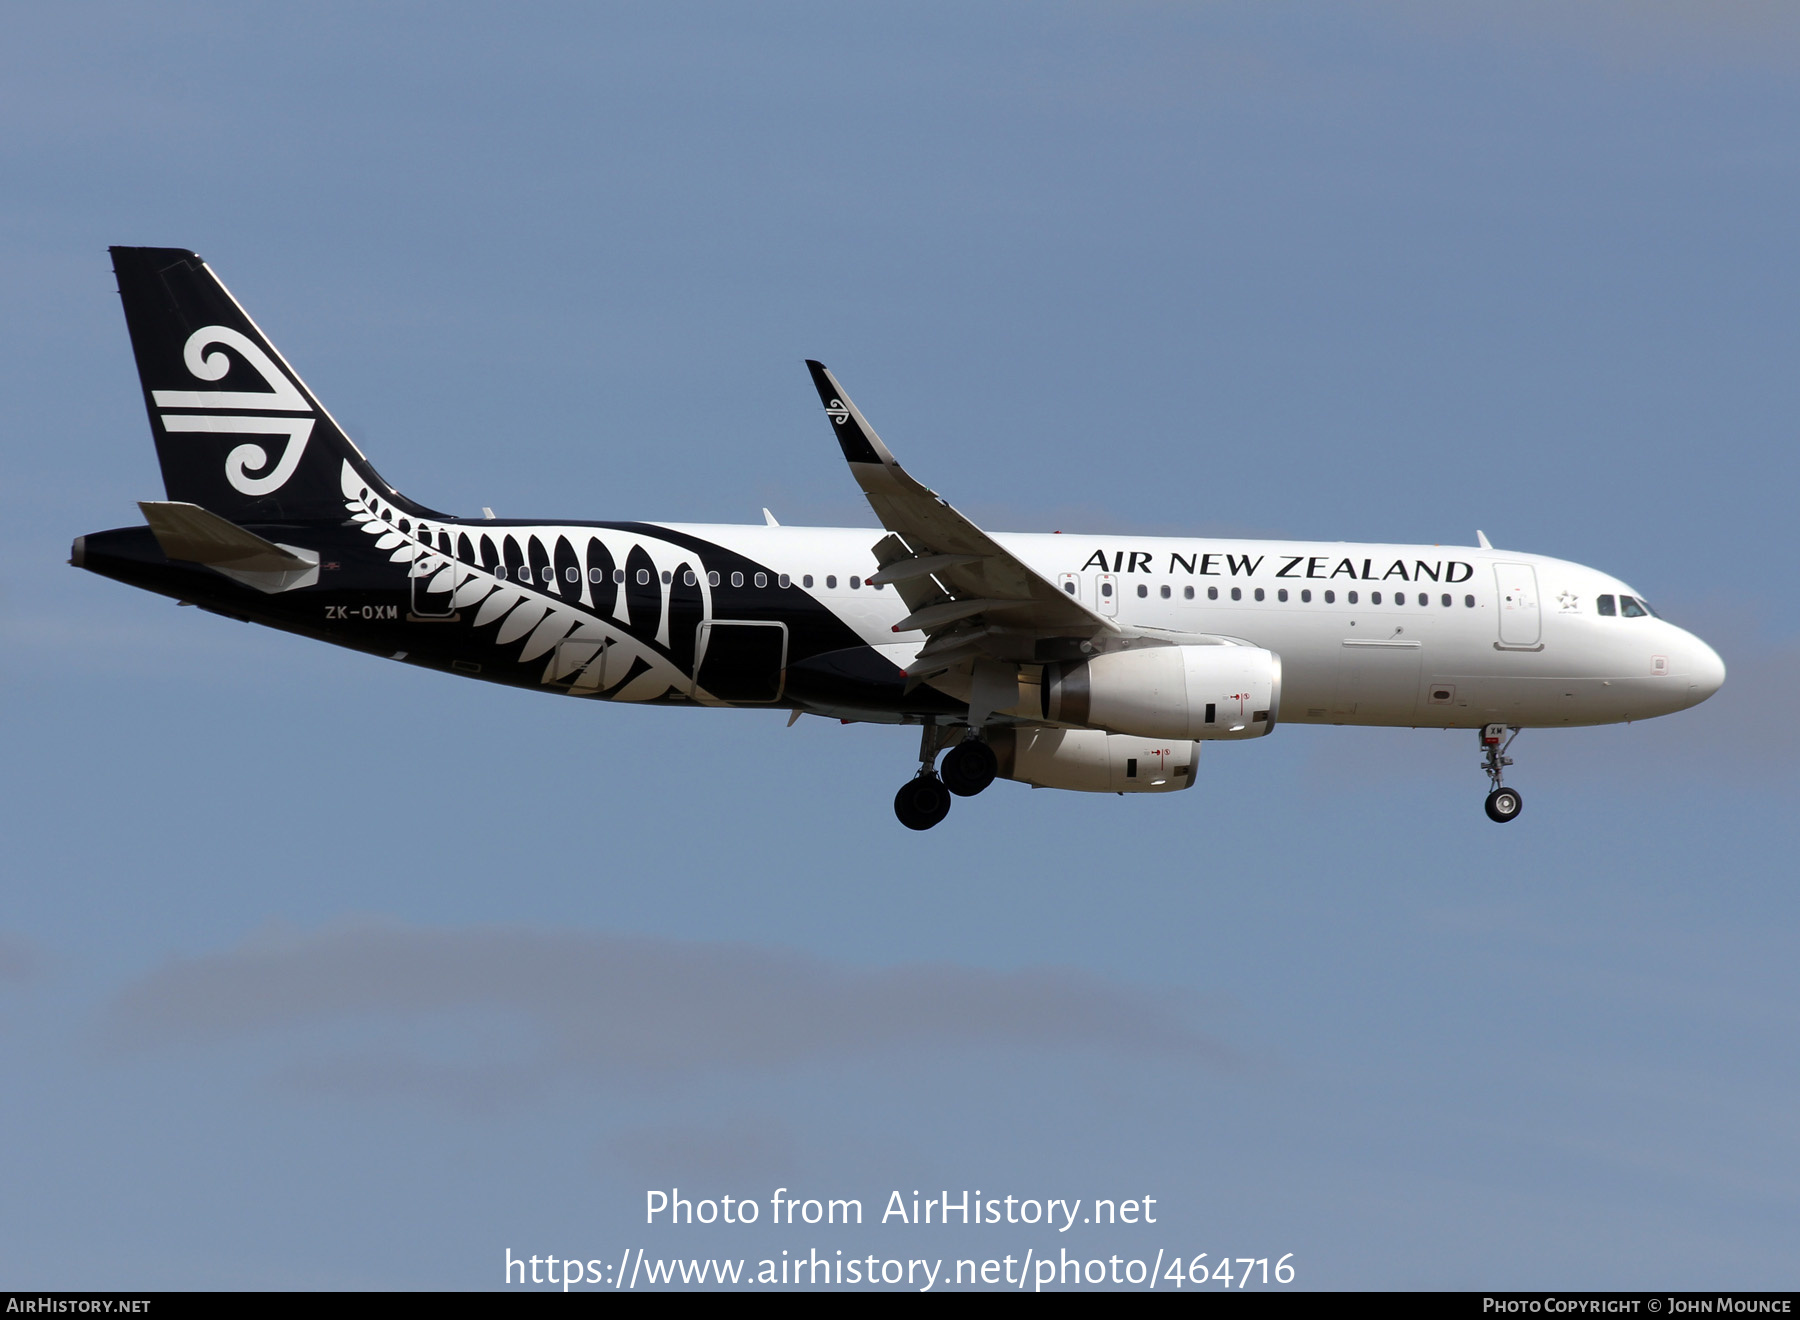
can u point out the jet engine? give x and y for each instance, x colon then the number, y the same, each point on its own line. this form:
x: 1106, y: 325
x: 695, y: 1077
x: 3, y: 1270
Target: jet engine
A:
x: 1174, y: 692
x: 1092, y: 761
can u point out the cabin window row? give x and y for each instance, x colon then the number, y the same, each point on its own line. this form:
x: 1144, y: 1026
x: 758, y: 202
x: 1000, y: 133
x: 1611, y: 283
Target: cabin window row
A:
x: 547, y: 574
x: 525, y: 573
x: 856, y: 583
x: 1445, y: 599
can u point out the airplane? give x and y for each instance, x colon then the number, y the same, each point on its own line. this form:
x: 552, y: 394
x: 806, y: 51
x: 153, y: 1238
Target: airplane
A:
x: 1088, y: 663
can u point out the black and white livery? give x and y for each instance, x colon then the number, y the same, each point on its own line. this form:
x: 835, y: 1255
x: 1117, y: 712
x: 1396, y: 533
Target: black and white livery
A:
x: 1099, y: 664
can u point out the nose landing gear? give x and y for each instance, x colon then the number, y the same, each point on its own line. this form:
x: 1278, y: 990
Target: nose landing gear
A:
x: 1503, y: 804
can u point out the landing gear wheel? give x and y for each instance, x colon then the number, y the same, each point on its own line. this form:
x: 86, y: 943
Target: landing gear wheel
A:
x: 1504, y: 804
x: 969, y: 767
x: 922, y: 802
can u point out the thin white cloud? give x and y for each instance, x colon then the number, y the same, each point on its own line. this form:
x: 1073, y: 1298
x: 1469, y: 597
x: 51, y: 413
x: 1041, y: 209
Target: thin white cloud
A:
x: 486, y: 1015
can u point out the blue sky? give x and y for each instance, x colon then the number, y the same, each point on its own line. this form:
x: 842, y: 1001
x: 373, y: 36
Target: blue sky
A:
x: 321, y: 972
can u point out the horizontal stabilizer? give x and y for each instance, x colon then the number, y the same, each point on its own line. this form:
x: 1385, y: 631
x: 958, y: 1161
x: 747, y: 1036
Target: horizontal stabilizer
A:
x: 187, y: 531
x: 199, y: 536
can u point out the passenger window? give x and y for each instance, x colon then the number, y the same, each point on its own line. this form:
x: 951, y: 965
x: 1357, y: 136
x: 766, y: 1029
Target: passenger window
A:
x: 643, y: 576
x: 1259, y: 593
x: 1629, y: 607
x: 1331, y: 598
x: 667, y: 577
x: 831, y: 581
x: 1212, y: 593
x: 549, y: 574
x: 761, y: 579
x: 1306, y: 596
x: 1469, y: 601
x: 806, y: 581
x: 1350, y: 596
x: 1446, y: 600
x: 1187, y: 593
x: 1069, y: 587
x: 737, y: 579
x: 596, y: 576
x: 689, y: 580
x: 856, y: 584
x: 784, y: 581
x: 1374, y: 598
x: 618, y: 575
x: 572, y: 574
x: 1281, y: 594
x: 1604, y: 605
x: 1143, y: 591
x: 1237, y: 593
x: 1165, y: 593
x: 1106, y: 589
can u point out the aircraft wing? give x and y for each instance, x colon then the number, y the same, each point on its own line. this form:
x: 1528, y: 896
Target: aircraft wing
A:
x: 962, y: 588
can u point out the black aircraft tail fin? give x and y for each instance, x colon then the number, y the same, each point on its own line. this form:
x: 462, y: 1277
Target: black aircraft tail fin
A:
x: 237, y: 431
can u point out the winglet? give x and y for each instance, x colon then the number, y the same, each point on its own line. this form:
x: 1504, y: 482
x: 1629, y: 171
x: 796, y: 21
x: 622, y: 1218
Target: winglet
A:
x: 1481, y: 540
x: 855, y: 436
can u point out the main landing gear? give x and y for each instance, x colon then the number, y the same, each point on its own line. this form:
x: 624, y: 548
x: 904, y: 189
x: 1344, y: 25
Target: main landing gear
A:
x: 969, y: 767
x: 922, y: 802
x: 1503, y: 804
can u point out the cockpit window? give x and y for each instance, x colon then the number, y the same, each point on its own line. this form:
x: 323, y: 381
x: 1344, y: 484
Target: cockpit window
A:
x: 1629, y: 607
x: 1605, y: 605
x: 1647, y: 605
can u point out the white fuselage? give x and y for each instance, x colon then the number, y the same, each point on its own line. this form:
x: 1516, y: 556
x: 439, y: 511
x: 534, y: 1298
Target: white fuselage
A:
x: 1363, y: 631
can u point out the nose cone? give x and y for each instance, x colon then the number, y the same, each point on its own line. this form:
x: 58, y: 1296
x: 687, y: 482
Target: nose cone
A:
x: 1705, y: 671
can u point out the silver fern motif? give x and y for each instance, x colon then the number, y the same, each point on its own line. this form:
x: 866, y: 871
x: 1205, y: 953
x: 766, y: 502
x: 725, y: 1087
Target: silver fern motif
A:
x: 587, y: 653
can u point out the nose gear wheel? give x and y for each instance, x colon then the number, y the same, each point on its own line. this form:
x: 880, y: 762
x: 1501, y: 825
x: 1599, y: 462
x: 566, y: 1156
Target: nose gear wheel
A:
x: 1503, y: 804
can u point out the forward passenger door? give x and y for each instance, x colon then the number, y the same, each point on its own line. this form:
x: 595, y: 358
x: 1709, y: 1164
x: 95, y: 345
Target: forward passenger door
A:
x: 1518, y: 597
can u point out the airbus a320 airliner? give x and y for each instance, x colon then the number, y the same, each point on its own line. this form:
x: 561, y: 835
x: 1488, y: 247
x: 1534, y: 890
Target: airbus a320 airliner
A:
x: 1099, y: 664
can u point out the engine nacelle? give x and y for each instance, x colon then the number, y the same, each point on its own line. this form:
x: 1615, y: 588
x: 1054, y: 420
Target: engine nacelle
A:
x: 1092, y: 761
x: 1169, y: 692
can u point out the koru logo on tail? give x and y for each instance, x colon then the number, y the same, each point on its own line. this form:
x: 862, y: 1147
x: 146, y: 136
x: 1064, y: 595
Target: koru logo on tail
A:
x: 282, y: 396
x: 838, y: 413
